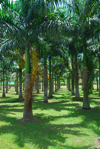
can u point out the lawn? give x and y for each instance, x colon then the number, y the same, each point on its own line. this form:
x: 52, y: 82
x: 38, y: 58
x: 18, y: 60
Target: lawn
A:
x: 63, y: 125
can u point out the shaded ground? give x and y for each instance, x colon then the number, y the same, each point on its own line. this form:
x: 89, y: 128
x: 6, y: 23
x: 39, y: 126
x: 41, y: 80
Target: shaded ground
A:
x: 34, y: 119
x: 57, y: 125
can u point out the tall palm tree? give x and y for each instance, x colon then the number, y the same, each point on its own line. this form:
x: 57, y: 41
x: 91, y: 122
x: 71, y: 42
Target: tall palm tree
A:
x: 28, y: 19
x: 83, y: 17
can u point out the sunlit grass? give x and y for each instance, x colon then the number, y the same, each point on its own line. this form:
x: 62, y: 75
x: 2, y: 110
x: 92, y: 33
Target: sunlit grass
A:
x: 62, y: 126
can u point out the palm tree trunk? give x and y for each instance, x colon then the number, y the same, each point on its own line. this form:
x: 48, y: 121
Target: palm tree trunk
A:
x: 42, y: 85
x: 97, y: 84
x: 55, y: 84
x: 17, y: 82
x: 72, y: 90
x: 67, y: 82
x: 82, y: 79
x: 15, y: 85
x: 59, y: 84
x: 45, y: 85
x: 3, y: 94
x: 52, y: 84
x: 85, y: 78
x: 6, y: 84
x: 37, y: 84
x: 99, y: 75
x: 27, y: 113
x: 76, y: 78
x: 50, y: 81
x: 45, y: 78
x: 20, y: 84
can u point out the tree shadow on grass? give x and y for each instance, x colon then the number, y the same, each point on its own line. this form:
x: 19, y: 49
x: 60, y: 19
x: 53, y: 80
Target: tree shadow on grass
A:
x: 89, y: 116
x: 9, y: 100
x: 58, y: 106
x: 45, y: 134
x: 11, y: 109
x: 77, y: 99
x: 41, y: 134
x: 92, y: 101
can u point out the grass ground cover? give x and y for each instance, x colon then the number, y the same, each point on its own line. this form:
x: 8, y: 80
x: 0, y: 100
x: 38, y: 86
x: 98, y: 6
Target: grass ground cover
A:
x: 63, y: 126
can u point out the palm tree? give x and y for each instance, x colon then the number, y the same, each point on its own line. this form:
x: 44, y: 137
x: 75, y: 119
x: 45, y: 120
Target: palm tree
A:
x: 26, y: 27
x: 83, y: 19
x: 86, y: 13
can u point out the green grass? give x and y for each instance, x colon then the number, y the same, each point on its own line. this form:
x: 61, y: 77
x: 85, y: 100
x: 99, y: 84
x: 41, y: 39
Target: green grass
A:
x: 62, y: 126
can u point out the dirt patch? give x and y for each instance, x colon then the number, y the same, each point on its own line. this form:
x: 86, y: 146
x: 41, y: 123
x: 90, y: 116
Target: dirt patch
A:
x: 97, y: 143
x: 34, y: 119
x: 80, y: 108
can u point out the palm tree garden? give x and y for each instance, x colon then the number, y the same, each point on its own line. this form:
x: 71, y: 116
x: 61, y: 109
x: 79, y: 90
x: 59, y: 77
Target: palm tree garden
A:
x: 49, y: 74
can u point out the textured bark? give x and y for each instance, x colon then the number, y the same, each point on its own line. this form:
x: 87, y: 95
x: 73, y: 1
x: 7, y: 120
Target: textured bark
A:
x: 85, y: 80
x: 97, y: 84
x: 20, y: 85
x: 27, y: 113
x: 45, y: 85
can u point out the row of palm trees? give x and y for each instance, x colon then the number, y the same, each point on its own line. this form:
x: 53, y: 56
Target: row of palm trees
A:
x: 54, y: 28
